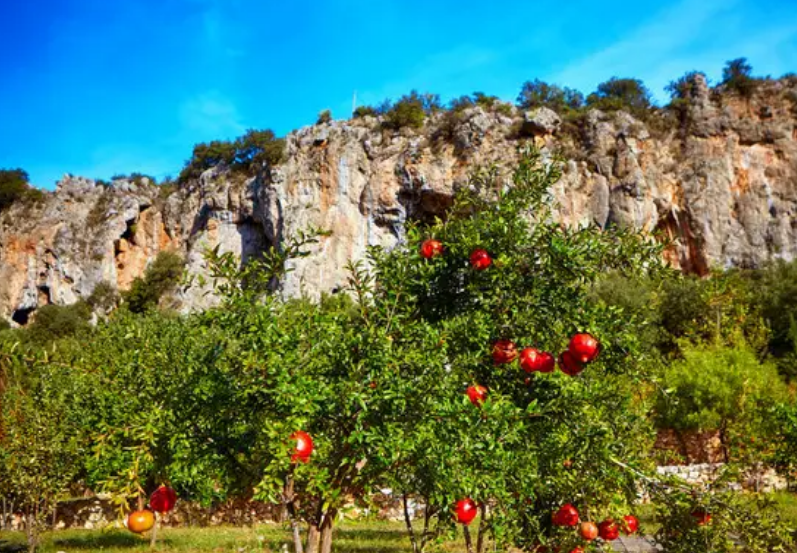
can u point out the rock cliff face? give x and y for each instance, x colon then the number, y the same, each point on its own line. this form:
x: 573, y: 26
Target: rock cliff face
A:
x: 722, y: 184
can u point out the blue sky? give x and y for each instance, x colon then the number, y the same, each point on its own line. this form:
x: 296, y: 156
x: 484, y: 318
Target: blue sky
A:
x: 99, y: 87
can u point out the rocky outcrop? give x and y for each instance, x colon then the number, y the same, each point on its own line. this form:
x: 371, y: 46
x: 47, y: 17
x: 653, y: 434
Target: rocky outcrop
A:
x: 721, y: 184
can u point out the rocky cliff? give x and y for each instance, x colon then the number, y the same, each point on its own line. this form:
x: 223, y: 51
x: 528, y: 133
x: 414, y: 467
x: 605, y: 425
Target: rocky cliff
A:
x: 721, y: 182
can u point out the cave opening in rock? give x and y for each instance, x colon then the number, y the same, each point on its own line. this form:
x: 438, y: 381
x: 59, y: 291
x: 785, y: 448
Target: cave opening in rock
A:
x: 22, y: 316
x: 130, y: 231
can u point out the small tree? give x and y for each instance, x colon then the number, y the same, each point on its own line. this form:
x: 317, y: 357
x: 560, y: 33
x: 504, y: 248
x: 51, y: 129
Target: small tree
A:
x: 537, y: 93
x: 324, y: 117
x: 411, y: 110
x: 53, y: 322
x: 616, y: 94
x: 720, y: 388
x: 14, y: 186
x: 365, y: 111
x: 41, y: 448
x: 737, y: 76
x: 160, y: 277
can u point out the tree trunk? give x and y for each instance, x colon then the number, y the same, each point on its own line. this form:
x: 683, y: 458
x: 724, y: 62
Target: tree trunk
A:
x: 482, y: 528
x: 154, y: 531
x: 288, y: 500
x: 468, y: 541
x: 724, y: 442
x: 313, y: 535
x: 31, y: 528
x: 408, y: 522
x: 326, y: 531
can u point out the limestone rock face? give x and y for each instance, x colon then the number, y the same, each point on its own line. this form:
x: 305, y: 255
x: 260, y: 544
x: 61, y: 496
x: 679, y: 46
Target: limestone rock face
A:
x: 722, y: 183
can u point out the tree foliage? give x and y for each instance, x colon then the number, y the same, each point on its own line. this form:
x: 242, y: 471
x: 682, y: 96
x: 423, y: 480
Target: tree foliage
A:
x: 160, y: 277
x: 252, y: 151
x: 14, y: 187
x: 537, y: 93
x: 716, y: 387
x: 737, y: 75
x: 626, y: 94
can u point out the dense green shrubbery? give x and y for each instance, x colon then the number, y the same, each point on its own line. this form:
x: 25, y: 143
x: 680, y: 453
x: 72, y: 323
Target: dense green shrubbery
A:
x: 720, y: 388
x: 52, y: 322
x: 207, y: 402
x: 410, y: 111
x: 160, y: 277
x: 737, y: 75
x: 627, y: 94
x: 536, y: 93
x: 253, y: 150
x: 15, y: 187
x: 324, y: 117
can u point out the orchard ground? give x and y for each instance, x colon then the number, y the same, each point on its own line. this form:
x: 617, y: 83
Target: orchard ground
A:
x: 351, y: 537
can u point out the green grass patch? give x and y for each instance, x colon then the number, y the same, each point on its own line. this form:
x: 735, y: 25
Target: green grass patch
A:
x: 350, y: 537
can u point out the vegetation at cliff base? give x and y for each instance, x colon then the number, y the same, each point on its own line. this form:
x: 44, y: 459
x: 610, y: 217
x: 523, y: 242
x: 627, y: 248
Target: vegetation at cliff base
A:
x: 409, y: 383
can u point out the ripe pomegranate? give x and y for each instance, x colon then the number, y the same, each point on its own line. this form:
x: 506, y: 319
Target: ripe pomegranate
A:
x: 567, y: 515
x: 304, y: 446
x: 431, y: 248
x: 569, y: 365
x: 608, y: 530
x: 466, y: 511
x: 589, y: 531
x: 477, y: 394
x: 577, y: 550
x: 532, y: 359
x: 584, y: 347
x: 140, y: 521
x: 630, y: 524
x: 163, y: 499
x: 504, y: 351
x: 480, y: 259
x: 701, y: 516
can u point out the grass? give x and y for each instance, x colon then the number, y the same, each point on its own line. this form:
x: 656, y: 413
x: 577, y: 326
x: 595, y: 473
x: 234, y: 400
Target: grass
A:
x: 350, y: 537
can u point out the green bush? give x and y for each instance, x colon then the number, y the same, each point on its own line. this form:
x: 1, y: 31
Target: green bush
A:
x: 716, y: 387
x: 252, y: 150
x: 160, y: 277
x: 536, y: 94
x: 104, y: 297
x: 365, y: 111
x: 411, y: 111
x: 737, y: 77
x: 622, y: 94
x: 15, y: 187
x: 324, y: 117
x: 776, y: 297
x: 53, y: 322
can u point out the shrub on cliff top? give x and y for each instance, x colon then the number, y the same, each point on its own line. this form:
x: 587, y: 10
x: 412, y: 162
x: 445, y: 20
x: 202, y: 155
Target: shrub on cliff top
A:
x: 14, y: 186
x: 537, y: 93
x: 411, y: 110
x: 252, y: 150
x: 626, y: 94
x: 737, y: 77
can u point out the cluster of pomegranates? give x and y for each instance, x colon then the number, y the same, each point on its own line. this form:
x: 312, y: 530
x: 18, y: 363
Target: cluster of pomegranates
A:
x: 608, y: 530
x: 161, y: 501
x: 583, y: 349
